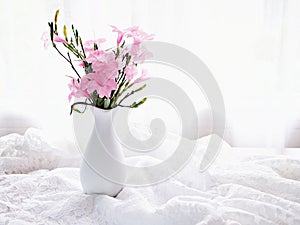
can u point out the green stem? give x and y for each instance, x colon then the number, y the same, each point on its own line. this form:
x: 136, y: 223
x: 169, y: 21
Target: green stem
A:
x: 79, y: 103
x: 81, y: 45
x: 125, y: 106
x: 74, y: 50
x: 126, y: 88
x: 131, y: 93
x: 126, y: 96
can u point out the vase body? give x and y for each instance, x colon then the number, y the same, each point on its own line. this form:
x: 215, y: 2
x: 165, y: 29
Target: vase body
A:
x: 102, y: 169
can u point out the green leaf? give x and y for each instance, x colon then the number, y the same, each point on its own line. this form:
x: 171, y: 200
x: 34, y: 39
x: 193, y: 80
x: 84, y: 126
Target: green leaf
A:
x: 88, y: 68
x: 128, y: 59
x: 106, y: 103
x: 99, y: 101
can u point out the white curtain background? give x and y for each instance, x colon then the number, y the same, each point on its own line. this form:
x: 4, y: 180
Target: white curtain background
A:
x: 252, y: 48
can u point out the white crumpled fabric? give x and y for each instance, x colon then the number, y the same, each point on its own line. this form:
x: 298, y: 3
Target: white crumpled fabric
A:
x: 23, y: 154
x: 258, y: 190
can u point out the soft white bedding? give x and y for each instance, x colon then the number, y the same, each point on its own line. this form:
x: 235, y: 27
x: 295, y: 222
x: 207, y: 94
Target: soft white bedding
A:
x: 256, y: 190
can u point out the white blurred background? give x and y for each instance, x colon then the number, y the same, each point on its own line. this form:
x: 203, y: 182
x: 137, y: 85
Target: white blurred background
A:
x: 252, y: 47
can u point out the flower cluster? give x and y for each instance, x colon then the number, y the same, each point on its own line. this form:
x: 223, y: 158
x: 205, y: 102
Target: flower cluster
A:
x: 108, y: 73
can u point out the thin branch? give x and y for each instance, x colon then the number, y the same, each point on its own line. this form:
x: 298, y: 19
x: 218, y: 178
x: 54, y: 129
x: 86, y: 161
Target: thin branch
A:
x: 81, y: 45
x: 126, y: 96
x: 125, y: 106
x: 70, y: 61
x: 121, y: 75
x: 83, y: 109
x: 126, y: 87
x: 54, y: 45
x: 79, y: 103
x: 75, y: 51
x: 131, y: 93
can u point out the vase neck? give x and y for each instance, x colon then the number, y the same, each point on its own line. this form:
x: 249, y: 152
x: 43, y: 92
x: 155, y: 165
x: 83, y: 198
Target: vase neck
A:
x: 103, y: 120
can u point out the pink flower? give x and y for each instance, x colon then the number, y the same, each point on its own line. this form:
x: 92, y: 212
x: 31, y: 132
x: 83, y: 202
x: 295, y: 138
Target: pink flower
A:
x: 132, y: 32
x: 139, y: 53
x: 120, y: 34
x: 89, y: 85
x: 144, y: 76
x: 81, y: 64
x: 57, y: 38
x: 106, y: 89
x: 104, y: 67
x: 76, y: 90
x: 138, y: 35
x: 132, y: 29
x: 89, y: 45
x: 95, y: 56
x: 103, y: 89
x: 131, y: 71
x: 45, y: 38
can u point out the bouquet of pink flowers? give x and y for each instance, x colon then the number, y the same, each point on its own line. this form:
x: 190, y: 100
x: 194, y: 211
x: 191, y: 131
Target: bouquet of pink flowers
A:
x: 108, y: 73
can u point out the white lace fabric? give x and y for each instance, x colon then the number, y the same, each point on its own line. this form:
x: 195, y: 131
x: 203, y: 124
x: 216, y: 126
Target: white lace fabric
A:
x: 23, y: 154
x: 259, y: 190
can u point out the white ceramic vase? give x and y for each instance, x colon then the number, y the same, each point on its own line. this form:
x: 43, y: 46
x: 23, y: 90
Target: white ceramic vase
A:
x: 101, y: 170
